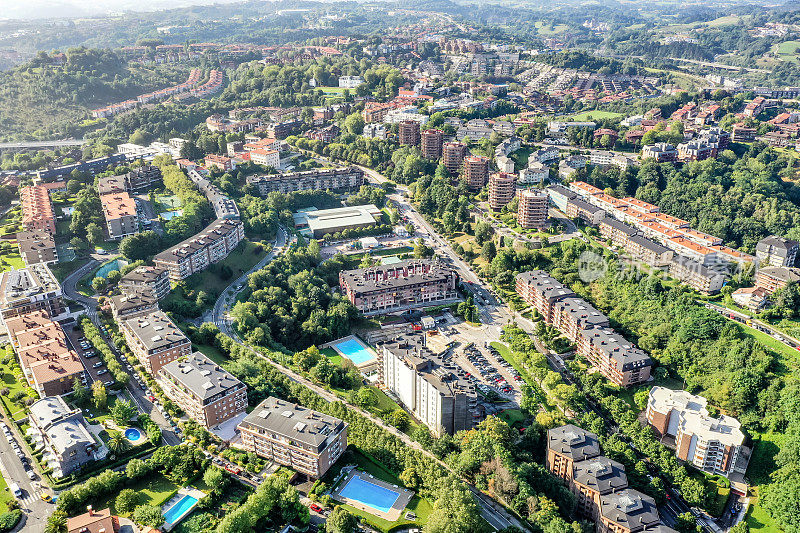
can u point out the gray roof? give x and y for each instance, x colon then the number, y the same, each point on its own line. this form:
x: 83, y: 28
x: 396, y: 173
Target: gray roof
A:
x: 551, y: 289
x: 134, y: 300
x: 581, y: 312
x: 156, y: 331
x: 573, y: 442
x: 617, y: 348
x: 776, y: 245
x: 50, y: 410
x: 659, y: 528
x: 781, y: 273
x: 144, y: 274
x: 681, y: 261
x: 559, y: 189
x: 200, y: 375
x: 630, y: 508
x: 600, y: 474
x: 619, y: 226
x: 584, y: 206
x: 294, y: 422
x: 26, y: 283
x: 363, y: 279
x: 647, y: 244
x: 215, y: 231
x: 448, y: 379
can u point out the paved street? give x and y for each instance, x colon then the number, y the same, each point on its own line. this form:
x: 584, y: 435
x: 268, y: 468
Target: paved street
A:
x: 34, y: 508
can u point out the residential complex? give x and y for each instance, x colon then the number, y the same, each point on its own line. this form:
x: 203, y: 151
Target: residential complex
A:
x: 139, y: 179
x: 431, y: 145
x: 436, y: 393
x: 600, y: 484
x: 335, y: 179
x: 61, y: 433
x: 453, y: 156
x: 154, y: 278
x: 773, y: 278
x: 396, y: 287
x: 155, y: 340
x: 29, y: 289
x: 37, y: 210
x: 49, y: 365
x: 532, y: 209
x: 502, y: 188
x: 119, y: 210
x: 208, y: 394
x: 712, y: 444
x: 37, y: 246
x: 776, y: 251
x: 196, y: 253
x: 617, y: 359
x: 408, y: 133
x: 304, y: 440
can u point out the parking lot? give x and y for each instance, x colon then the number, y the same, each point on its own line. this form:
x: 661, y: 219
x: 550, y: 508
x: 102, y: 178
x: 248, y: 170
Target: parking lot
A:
x: 487, y: 373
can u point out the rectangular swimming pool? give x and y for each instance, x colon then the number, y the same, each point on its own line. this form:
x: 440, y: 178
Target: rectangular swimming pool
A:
x: 355, y: 350
x: 369, y: 494
x: 179, y: 509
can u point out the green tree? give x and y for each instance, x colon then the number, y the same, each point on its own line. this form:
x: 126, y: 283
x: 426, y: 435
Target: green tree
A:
x: 122, y: 411
x: 341, y: 521
x: 99, y: 396
x: 94, y: 233
x: 56, y: 522
x: 126, y: 501
x: 213, y: 477
x: 488, y: 250
x: 80, y: 394
x: 148, y: 515
x: 99, y: 284
x: 117, y: 442
x: 686, y: 523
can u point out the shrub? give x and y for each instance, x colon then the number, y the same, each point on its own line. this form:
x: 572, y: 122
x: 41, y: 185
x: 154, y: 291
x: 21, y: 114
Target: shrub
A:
x: 9, y: 520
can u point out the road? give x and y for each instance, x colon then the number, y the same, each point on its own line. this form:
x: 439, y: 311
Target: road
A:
x: 736, y: 316
x: 491, y: 511
x: 41, y: 144
x: 134, y: 389
x: 35, y: 511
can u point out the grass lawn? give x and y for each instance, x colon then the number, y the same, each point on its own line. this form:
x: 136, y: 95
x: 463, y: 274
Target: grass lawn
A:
x: 62, y: 270
x: 9, y: 261
x: 5, y: 495
x: 789, y: 355
x: 762, y: 464
x: 212, y: 352
x: 520, y: 157
x: 786, y: 51
x: 419, y: 506
x: 512, y: 417
x: 14, y: 385
x: 332, y: 354
x: 758, y: 519
x: 333, y: 90
x: 155, y: 490
x: 239, y: 261
x: 594, y: 114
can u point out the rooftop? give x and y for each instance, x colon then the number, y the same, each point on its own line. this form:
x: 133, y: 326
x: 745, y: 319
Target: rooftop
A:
x: 118, y: 205
x: 329, y: 219
x: 293, y: 422
x: 630, y: 509
x: 200, y: 375
x: 786, y: 274
x: 398, y: 275
x: 573, y: 442
x: 155, y: 331
x: 448, y: 379
x: 600, y: 474
x: 26, y: 283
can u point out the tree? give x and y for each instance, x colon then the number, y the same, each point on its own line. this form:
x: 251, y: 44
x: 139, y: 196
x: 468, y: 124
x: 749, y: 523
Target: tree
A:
x: 741, y: 527
x: 99, y: 396
x: 148, y: 515
x: 686, y: 523
x: 122, y: 411
x: 56, y: 522
x: 99, y: 284
x: 454, y: 510
x: 113, y: 277
x: 341, y: 521
x: 153, y: 434
x: 94, y: 233
x: 126, y: 501
x: 117, y: 442
x: 136, y: 468
x: 489, y: 250
x: 80, y: 394
x: 213, y: 477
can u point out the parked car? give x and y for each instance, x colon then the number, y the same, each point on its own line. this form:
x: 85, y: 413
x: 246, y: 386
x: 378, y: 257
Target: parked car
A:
x: 102, y: 371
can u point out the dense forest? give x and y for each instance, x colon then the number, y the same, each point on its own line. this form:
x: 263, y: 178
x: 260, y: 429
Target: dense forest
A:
x: 40, y: 101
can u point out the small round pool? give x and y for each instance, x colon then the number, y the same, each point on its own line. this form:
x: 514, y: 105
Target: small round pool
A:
x: 133, y: 434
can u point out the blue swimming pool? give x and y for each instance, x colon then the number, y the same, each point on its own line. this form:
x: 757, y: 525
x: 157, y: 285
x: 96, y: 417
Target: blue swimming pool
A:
x: 355, y: 350
x: 180, y: 509
x: 370, y: 494
x: 133, y: 434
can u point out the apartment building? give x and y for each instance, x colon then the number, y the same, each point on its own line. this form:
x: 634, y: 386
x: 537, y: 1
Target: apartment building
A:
x: 196, y: 253
x: 133, y: 302
x: 142, y: 178
x: 773, y: 278
x: 432, y: 144
x: 37, y: 246
x: 535, y: 173
x: 578, y: 209
x: 90, y: 166
x: 408, y: 133
x: 49, y: 365
x: 560, y: 196
x: 502, y: 188
x: 203, y: 390
x: 61, y: 432
x: 740, y: 133
x: 615, y: 231
x: 152, y: 277
x: 453, y: 156
x: 266, y: 157
x: 532, y: 209
x: 568, y: 445
x: 436, y: 393
x: 696, y: 150
x: 540, y: 291
x: 627, y: 511
x: 661, y: 152
x: 33, y: 288
x: 37, y: 210
x: 618, y: 359
x: 155, y: 340
x: 594, y: 478
x: 304, y: 440
x: 336, y: 179
x: 647, y: 251
x: 571, y: 315
x: 119, y: 210
x: 712, y: 444
x: 774, y: 251
x: 400, y: 286
x: 696, y: 275
x: 476, y: 171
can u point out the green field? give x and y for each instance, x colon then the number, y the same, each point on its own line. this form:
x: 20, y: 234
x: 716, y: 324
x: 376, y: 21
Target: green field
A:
x: 787, y: 51
x: 544, y: 28
x: 242, y: 259
x: 595, y: 114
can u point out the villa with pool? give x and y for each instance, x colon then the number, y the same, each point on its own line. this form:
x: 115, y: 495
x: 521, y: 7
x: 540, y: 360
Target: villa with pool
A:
x: 179, y: 506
